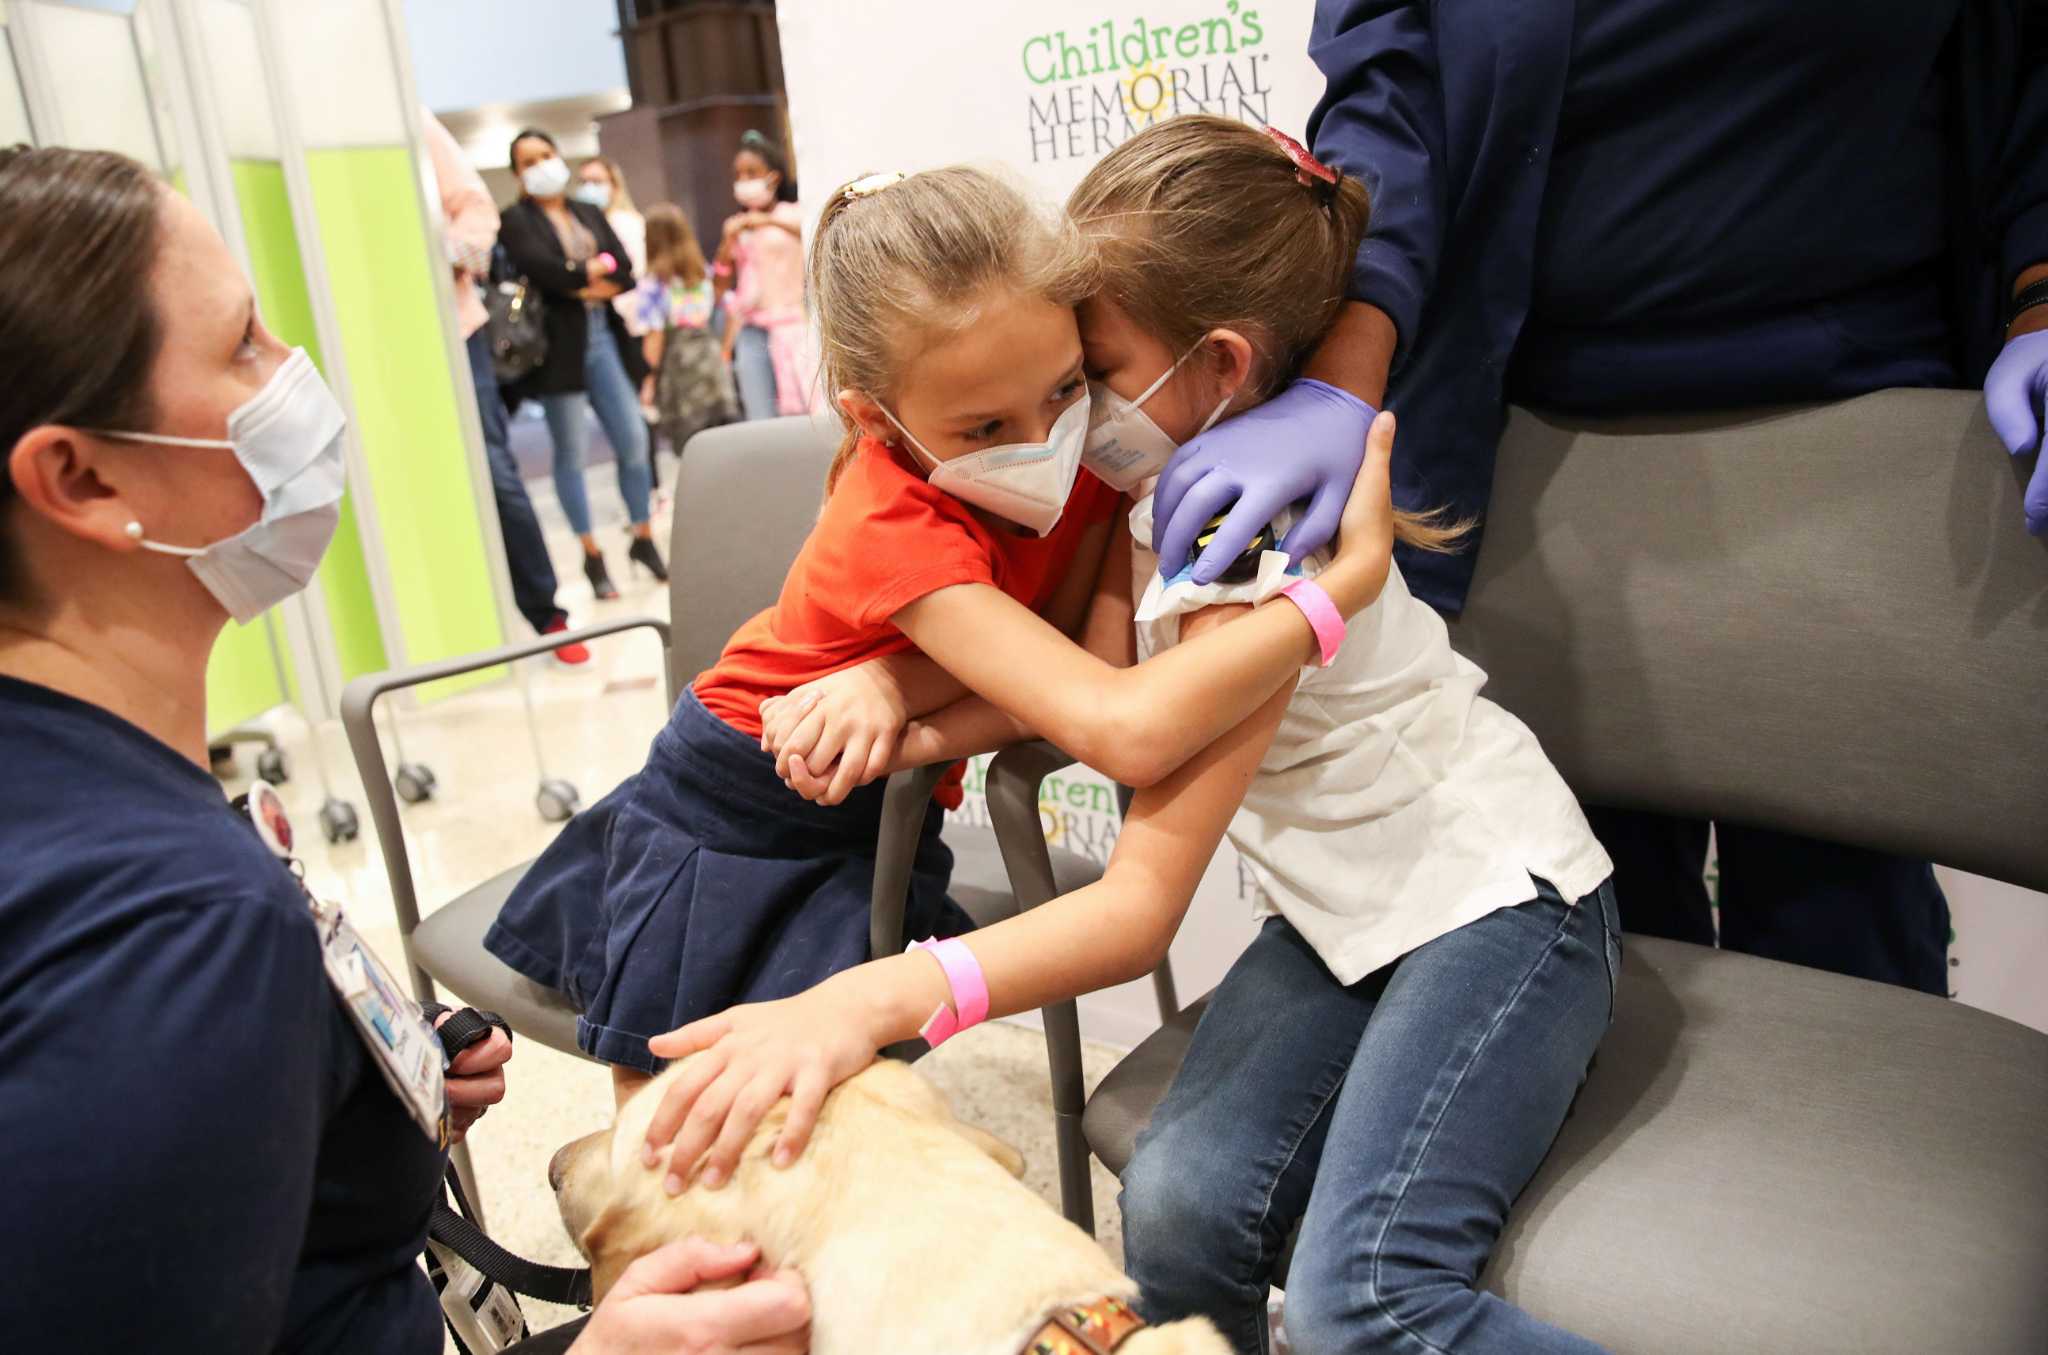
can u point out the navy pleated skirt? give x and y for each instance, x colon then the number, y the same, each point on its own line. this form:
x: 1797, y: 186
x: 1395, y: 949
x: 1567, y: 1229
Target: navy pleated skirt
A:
x: 701, y: 882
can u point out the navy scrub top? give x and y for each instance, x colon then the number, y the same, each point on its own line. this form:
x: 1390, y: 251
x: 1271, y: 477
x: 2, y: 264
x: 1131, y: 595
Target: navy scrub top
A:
x: 1629, y: 205
x: 196, y: 1151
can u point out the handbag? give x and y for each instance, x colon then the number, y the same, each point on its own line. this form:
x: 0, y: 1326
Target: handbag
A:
x: 519, y: 341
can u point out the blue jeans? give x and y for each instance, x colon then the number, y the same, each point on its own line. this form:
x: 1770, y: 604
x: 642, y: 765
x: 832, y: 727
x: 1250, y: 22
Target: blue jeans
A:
x: 1395, y: 1120
x: 526, y: 551
x: 754, y: 370
x: 1844, y: 909
x: 611, y: 394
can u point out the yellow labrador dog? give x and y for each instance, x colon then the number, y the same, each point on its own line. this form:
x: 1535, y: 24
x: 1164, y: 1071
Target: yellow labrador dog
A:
x: 910, y: 1228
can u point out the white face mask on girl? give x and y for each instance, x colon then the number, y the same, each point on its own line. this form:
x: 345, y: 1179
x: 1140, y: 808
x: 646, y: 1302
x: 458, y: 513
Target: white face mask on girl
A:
x: 546, y: 178
x: 1024, y: 482
x: 593, y: 194
x: 1125, y: 448
x: 287, y: 437
x: 754, y: 194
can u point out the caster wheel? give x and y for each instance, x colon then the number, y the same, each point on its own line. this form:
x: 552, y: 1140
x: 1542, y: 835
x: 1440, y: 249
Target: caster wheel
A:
x: 557, y: 800
x: 338, y: 821
x: 271, y: 766
x: 414, y: 782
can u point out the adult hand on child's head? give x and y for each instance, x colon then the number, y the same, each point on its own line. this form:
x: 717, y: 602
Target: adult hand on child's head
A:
x: 748, y: 1059
x: 653, y: 1311
x: 1304, y: 443
x: 2016, y: 399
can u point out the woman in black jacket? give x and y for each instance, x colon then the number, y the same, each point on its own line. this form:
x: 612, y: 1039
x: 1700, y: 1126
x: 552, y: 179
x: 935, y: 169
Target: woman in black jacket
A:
x: 577, y: 263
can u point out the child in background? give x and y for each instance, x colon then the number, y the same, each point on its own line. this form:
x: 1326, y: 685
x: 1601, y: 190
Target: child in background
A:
x: 688, y: 384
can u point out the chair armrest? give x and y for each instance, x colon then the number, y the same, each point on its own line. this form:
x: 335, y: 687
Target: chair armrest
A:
x: 1014, y: 777
x: 905, y: 802
x: 358, y: 702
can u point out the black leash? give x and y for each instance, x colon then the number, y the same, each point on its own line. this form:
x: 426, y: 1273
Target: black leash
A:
x: 452, y: 1227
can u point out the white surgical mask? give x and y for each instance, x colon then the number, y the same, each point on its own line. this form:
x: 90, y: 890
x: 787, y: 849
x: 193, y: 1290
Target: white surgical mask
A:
x: 1125, y: 448
x: 1024, y: 482
x: 753, y: 193
x: 596, y: 194
x: 546, y: 178
x: 287, y: 437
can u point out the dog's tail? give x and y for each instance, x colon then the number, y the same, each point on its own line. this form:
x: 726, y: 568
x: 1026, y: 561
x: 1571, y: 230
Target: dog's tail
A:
x: 1191, y: 1336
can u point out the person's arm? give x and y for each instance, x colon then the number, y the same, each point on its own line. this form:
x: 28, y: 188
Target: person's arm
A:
x: 972, y: 725
x: 621, y: 278
x: 162, y: 1096
x: 2016, y: 387
x: 1136, y: 725
x: 538, y: 256
x: 469, y: 219
x: 1380, y: 120
x: 1103, y: 934
x: 840, y: 732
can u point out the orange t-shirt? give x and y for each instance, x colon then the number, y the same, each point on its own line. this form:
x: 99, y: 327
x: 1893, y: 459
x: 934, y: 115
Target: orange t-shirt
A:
x: 885, y: 539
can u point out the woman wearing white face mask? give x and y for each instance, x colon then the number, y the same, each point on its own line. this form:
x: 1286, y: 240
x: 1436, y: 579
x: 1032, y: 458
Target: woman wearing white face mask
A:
x: 760, y: 268
x: 601, y: 183
x: 185, y: 1100
x: 570, y: 253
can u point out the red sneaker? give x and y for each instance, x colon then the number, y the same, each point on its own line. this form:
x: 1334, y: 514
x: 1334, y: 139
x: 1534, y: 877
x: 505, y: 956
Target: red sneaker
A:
x: 568, y: 655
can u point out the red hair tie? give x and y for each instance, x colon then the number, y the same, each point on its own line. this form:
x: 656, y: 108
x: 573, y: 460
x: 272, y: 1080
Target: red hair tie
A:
x: 1311, y: 172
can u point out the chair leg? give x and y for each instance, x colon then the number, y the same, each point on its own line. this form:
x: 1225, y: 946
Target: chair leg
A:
x: 465, y: 1172
x: 1069, y: 1099
x: 1162, y: 988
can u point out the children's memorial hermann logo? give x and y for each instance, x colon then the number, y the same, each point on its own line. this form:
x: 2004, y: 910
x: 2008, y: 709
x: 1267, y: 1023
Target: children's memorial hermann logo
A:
x: 1098, y: 85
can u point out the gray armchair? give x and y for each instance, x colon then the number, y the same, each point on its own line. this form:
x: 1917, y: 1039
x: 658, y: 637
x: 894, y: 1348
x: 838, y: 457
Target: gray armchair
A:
x: 746, y: 497
x: 1826, y: 620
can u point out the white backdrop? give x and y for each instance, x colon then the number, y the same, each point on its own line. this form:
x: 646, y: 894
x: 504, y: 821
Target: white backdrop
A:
x: 1044, y: 89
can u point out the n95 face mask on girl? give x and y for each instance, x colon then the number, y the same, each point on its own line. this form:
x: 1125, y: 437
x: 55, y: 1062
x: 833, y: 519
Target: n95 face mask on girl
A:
x: 1024, y: 482
x: 1125, y: 448
x: 287, y: 438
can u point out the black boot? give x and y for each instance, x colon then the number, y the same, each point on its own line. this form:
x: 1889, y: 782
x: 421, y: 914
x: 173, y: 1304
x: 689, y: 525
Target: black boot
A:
x: 600, y: 577
x: 643, y: 553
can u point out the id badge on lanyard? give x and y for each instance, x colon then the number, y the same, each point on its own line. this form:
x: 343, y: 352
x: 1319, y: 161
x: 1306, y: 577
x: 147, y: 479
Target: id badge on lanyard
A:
x: 401, y: 1042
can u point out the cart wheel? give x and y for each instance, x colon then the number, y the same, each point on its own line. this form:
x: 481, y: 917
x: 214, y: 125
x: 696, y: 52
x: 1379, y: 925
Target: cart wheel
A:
x: 271, y: 766
x: 338, y: 821
x: 414, y: 783
x: 557, y: 800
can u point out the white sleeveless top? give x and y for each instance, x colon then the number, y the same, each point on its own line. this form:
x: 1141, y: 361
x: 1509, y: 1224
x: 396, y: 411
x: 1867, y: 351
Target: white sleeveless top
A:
x: 1396, y: 804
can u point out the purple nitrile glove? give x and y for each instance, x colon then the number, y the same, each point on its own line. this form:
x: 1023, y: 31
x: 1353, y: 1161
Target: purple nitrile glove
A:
x: 2016, y: 398
x: 1307, y: 442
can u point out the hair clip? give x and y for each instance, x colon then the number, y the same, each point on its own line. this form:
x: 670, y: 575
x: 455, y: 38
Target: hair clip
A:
x: 873, y: 184
x: 1309, y: 171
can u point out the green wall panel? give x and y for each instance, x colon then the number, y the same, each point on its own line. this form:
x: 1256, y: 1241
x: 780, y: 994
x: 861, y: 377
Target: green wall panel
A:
x: 281, y: 294
x: 380, y: 266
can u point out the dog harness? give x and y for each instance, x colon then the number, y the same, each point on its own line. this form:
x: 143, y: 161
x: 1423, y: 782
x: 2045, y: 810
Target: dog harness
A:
x: 1096, y: 1328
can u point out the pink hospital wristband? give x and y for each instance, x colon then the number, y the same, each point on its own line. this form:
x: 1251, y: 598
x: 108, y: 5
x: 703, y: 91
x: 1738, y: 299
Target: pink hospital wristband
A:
x: 970, y: 990
x: 1323, y: 616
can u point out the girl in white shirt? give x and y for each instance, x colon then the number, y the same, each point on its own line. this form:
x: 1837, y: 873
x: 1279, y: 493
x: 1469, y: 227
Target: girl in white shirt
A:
x: 1387, y: 1064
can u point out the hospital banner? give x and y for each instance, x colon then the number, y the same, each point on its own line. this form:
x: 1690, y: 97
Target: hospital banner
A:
x: 1043, y: 90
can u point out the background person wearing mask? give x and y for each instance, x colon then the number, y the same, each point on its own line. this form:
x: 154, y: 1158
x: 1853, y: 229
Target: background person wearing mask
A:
x: 469, y: 224
x: 761, y: 260
x: 1624, y: 206
x: 577, y: 263
x: 165, y: 464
